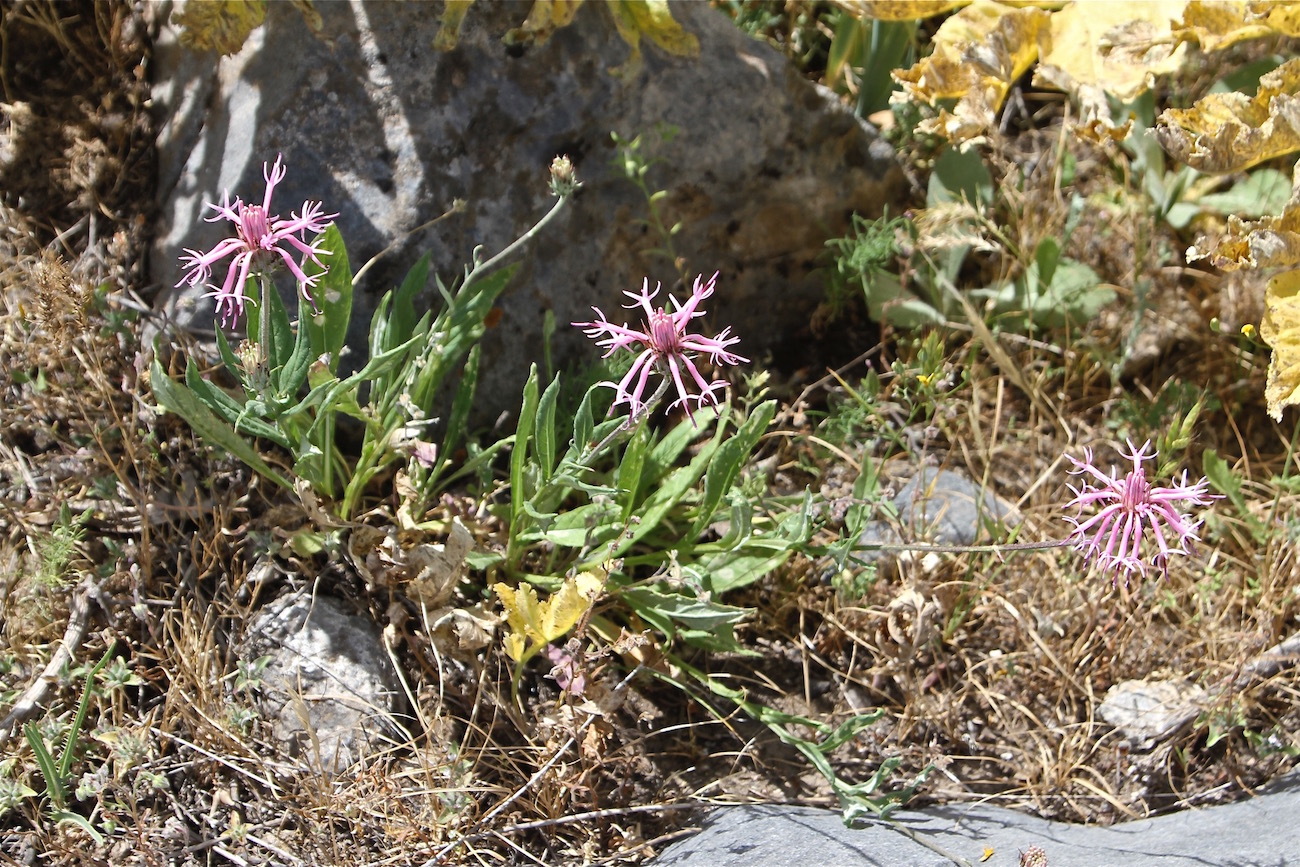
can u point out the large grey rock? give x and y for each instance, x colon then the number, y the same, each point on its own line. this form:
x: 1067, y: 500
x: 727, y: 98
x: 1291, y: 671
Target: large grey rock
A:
x: 1257, y: 831
x: 329, y: 690
x: 388, y: 132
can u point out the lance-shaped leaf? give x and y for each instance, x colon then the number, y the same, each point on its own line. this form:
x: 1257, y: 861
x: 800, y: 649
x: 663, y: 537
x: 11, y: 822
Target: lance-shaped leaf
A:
x: 1229, y: 132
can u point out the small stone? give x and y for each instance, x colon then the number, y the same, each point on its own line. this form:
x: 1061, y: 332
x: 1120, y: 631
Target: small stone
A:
x: 329, y: 690
x: 939, y: 507
x: 1149, y: 711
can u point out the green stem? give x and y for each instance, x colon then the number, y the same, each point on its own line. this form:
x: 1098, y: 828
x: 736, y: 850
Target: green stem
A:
x: 264, y: 326
x: 632, y: 421
x: 482, y: 268
x: 965, y: 549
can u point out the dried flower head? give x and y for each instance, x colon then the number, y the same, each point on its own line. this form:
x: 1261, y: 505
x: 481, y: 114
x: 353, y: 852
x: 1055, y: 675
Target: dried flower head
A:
x: 1127, y: 509
x: 1034, y: 856
x: 261, y: 241
x: 664, y: 344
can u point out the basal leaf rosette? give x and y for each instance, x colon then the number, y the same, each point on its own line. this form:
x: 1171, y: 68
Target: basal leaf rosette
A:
x: 1230, y: 132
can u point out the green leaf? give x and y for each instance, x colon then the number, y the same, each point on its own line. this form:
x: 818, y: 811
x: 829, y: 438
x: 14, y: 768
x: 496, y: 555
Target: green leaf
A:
x: 1216, y: 469
x: 295, y: 369
x: 228, y: 356
x: 960, y: 177
x: 65, y: 817
x: 402, y: 322
x: 628, y: 477
x: 733, y: 569
x: 180, y: 400
x: 1046, y: 257
x: 740, y: 520
x: 49, y: 768
x: 589, y: 524
x: 665, y: 454
x: 584, y: 424
x: 333, y: 296
x: 727, y: 462
x: 519, y: 454
x: 282, y: 338
x: 458, y: 420
x: 379, y: 326
x: 230, y: 410
x: 79, y: 718
x: 544, y: 435
x: 891, y: 41
x: 1264, y: 192
x: 667, y: 611
x: 216, y: 399
x: 669, y: 492
x: 797, y: 527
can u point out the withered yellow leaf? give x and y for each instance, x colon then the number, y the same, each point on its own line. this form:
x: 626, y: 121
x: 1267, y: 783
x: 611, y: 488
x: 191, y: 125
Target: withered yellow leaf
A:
x: 652, y: 19
x: 515, y: 645
x: 1282, y: 15
x: 533, y: 623
x: 520, y: 603
x: 543, y: 19
x: 453, y: 15
x: 1229, y: 132
x: 220, y: 25
x: 977, y: 54
x: 1269, y: 242
x: 899, y: 10
x: 1104, y: 46
x: 914, y: 10
x: 1216, y: 24
x: 563, y: 610
x: 1281, y: 330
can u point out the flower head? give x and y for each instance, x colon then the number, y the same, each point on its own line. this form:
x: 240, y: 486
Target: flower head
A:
x: 663, y: 344
x: 261, y: 240
x: 1127, y: 509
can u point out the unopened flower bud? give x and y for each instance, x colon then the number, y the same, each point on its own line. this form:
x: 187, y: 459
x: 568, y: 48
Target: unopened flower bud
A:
x: 564, y: 181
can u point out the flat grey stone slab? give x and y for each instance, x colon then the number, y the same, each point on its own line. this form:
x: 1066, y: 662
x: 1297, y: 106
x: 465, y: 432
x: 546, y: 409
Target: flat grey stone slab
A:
x: 1264, y: 830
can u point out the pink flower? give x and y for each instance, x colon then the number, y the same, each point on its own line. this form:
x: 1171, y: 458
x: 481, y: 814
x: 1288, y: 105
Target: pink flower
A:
x: 1128, y: 508
x: 663, y: 344
x: 260, y: 238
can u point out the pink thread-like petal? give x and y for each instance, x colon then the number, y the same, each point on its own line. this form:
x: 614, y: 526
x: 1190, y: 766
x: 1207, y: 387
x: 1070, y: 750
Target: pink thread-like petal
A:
x: 663, y: 344
x: 1130, y: 508
x: 262, y: 242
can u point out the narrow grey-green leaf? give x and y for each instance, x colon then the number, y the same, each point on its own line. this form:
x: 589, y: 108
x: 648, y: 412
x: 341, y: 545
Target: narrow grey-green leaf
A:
x: 728, y: 461
x: 544, y: 436
x: 215, y: 432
